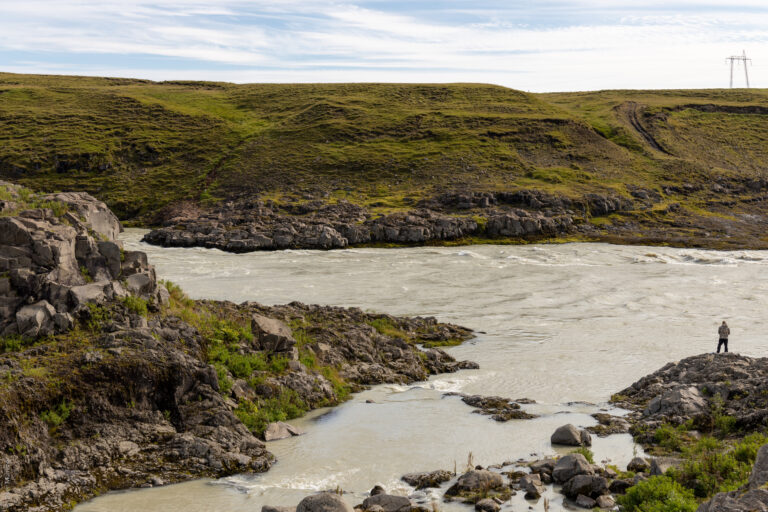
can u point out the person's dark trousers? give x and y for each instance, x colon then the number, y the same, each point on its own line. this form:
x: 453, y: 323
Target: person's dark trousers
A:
x: 721, y: 343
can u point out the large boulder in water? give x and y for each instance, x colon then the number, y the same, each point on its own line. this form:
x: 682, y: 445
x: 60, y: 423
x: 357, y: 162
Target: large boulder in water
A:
x: 571, y: 436
x: 323, y: 502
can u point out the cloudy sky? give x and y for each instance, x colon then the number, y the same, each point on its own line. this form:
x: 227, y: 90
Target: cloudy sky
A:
x: 535, y: 45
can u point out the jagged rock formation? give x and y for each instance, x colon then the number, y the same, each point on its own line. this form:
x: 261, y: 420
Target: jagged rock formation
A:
x: 698, y: 387
x: 54, y: 263
x: 251, y: 225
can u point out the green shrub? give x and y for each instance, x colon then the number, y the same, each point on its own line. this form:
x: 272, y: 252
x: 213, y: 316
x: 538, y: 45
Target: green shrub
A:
x: 586, y: 452
x: 387, y: 327
x: 136, y: 304
x: 711, y: 466
x: 225, y: 383
x: 98, y: 315
x: 58, y: 415
x: 286, y: 406
x: 12, y: 343
x: 658, y: 494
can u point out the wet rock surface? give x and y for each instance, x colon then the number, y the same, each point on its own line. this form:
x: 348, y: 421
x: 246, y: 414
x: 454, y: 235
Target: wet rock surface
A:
x: 498, y: 408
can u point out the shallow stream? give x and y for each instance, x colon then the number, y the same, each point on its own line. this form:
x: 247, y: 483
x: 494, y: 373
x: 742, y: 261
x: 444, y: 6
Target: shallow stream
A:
x: 566, y: 325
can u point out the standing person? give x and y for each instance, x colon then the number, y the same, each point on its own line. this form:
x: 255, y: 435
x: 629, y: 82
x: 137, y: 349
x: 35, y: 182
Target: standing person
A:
x: 723, y: 331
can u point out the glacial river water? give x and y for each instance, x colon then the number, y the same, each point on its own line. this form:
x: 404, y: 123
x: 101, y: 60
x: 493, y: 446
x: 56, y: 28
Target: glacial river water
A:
x: 566, y: 325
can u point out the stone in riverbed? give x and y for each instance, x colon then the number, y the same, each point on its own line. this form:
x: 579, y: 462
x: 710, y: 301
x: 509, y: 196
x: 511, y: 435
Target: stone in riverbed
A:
x: 588, y: 485
x: 571, y: 436
x: 281, y: 430
x: 532, y: 486
x: 606, y: 501
x: 638, y: 465
x: 570, y: 466
x: 424, y: 480
x: 487, y: 505
x: 323, y: 502
x: 388, y: 503
x: 476, y: 480
x: 585, y: 502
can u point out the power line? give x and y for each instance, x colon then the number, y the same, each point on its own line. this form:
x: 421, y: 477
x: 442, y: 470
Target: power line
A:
x: 736, y: 59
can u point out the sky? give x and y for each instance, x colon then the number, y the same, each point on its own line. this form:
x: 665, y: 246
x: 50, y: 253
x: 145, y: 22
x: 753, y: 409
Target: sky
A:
x: 534, y: 45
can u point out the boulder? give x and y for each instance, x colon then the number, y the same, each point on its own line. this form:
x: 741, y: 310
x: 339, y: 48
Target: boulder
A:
x: 476, y: 480
x: 638, y: 465
x: 271, y: 335
x: 87, y: 293
x: 323, y: 502
x: 532, y: 486
x: 377, y: 489
x: 759, y: 476
x: 544, y: 466
x: 620, y: 486
x: 36, y: 320
x: 487, y: 505
x: 571, y: 436
x: 388, y: 503
x: 95, y: 214
x: 271, y: 508
x: 606, y: 501
x: 425, y: 480
x: 570, y: 466
x: 281, y: 430
x: 660, y: 465
x: 588, y: 485
x: 755, y: 500
x: 585, y: 502
x: 683, y: 401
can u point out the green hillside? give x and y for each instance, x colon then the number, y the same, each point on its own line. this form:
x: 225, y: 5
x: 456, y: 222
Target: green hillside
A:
x: 140, y: 145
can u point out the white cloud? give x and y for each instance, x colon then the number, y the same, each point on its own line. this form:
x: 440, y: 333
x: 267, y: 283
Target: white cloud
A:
x: 649, y: 43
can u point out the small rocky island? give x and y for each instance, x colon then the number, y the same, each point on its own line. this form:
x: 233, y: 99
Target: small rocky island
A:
x: 110, y: 379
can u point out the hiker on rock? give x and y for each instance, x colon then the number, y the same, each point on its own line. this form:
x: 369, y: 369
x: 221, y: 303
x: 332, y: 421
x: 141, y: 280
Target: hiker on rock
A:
x: 723, y: 331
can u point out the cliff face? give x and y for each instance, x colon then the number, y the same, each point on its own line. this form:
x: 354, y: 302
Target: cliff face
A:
x: 58, y: 253
x: 108, y: 380
x: 106, y: 397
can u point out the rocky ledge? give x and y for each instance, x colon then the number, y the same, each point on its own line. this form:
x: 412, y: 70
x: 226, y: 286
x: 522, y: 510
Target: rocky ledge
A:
x: 249, y: 225
x: 109, y: 379
x: 698, y: 390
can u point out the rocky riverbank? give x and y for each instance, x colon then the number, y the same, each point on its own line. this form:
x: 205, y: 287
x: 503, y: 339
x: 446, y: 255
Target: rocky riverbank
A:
x: 643, y: 216
x: 702, y: 420
x: 110, y: 379
x: 249, y: 225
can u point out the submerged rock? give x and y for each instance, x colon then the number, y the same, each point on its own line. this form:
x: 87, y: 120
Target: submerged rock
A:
x: 427, y: 479
x: 281, y: 430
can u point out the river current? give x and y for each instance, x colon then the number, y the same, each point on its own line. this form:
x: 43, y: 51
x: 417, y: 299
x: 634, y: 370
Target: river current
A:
x: 566, y: 325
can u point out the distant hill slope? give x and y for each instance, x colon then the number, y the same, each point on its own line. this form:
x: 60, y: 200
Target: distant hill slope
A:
x: 140, y: 145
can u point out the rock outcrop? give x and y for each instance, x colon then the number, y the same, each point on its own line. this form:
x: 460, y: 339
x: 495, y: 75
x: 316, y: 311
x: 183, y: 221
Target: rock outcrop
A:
x: 250, y: 225
x: 698, y: 388
x: 54, y: 263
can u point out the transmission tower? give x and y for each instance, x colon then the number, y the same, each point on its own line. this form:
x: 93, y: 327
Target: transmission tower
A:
x: 735, y: 59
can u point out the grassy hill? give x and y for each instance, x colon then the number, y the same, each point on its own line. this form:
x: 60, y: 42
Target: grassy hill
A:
x: 140, y: 145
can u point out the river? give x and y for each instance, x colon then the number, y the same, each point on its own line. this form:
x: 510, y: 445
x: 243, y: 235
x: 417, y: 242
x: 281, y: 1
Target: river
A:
x: 566, y: 325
